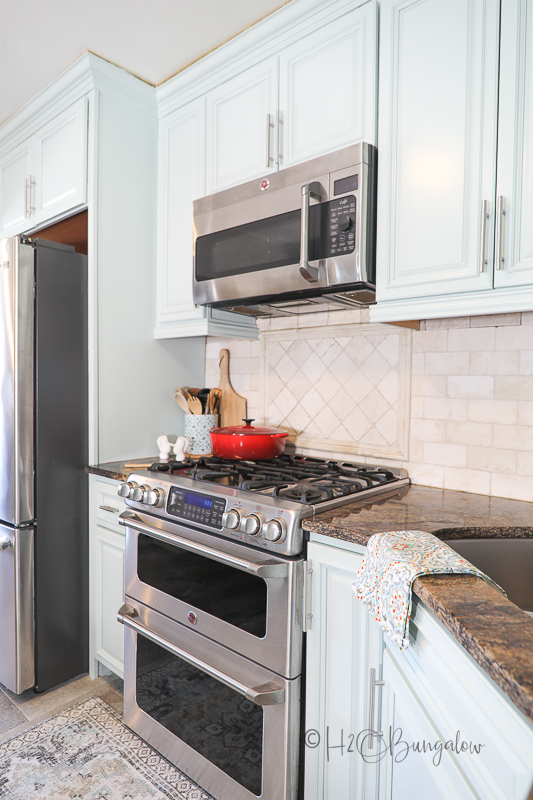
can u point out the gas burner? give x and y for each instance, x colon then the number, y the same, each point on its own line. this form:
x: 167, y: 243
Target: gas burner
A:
x: 301, y: 492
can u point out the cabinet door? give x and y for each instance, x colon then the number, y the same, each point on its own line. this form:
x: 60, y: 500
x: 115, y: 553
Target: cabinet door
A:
x: 60, y: 158
x: 438, y: 85
x: 343, y: 644
x: 181, y: 180
x: 406, y: 773
x: 514, y: 257
x: 14, y: 194
x: 108, y: 564
x: 240, y: 142
x: 328, y: 87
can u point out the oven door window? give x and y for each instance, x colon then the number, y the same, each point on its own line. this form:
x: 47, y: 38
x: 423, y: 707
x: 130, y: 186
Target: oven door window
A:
x: 229, y: 594
x: 216, y: 721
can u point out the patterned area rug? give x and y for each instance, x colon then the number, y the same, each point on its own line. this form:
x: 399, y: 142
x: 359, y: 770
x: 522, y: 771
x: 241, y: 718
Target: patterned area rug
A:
x: 86, y: 753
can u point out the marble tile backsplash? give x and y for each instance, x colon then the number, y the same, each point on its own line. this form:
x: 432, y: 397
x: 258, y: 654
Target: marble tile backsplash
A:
x: 452, y: 403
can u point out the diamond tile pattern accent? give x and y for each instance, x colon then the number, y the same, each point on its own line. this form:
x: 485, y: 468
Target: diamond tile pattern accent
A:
x: 341, y: 388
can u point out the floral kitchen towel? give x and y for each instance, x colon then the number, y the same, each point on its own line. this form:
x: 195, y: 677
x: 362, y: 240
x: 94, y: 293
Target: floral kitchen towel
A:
x: 392, y: 562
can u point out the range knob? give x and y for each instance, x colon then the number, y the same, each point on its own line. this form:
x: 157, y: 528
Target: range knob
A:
x: 275, y: 530
x: 137, y: 493
x: 153, y: 497
x: 232, y: 519
x: 125, y: 489
x: 252, y: 524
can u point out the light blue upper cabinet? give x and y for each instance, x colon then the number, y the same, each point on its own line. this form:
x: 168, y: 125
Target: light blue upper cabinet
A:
x: 327, y: 87
x: 14, y: 173
x: 240, y: 126
x: 312, y: 96
x: 514, y: 208
x: 437, y: 146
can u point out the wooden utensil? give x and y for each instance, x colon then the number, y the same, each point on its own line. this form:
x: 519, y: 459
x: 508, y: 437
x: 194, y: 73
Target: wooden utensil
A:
x: 232, y: 405
x: 195, y: 404
x: 181, y: 401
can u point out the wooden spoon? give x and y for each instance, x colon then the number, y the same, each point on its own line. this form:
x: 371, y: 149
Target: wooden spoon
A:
x: 181, y: 401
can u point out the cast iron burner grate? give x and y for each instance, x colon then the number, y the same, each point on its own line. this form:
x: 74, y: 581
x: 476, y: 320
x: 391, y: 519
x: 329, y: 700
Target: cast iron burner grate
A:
x: 299, y: 478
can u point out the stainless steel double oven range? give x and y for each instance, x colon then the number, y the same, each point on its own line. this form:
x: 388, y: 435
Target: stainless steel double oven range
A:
x: 215, y: 612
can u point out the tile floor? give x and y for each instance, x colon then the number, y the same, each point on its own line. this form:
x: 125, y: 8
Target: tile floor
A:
x: 20, y: 712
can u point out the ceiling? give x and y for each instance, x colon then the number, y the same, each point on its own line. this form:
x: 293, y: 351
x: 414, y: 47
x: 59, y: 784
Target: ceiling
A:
x: 153, y: 39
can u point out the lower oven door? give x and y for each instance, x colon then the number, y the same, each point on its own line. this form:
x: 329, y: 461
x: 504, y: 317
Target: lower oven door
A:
x: 227, y: 723
x: 246, y: 599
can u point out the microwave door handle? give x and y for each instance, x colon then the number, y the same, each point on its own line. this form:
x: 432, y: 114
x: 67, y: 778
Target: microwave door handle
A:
x: 315, y: 190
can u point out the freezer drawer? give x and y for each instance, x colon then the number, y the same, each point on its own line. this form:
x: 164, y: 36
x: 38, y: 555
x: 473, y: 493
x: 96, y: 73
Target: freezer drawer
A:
x: 16, y: 601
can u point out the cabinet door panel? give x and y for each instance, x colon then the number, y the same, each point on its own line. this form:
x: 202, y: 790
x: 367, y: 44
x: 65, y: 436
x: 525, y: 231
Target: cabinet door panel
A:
x: 328, y: 87
x: 181, y: 180
x: 437, y: 145
x: 110, y: 597
x: 515, y: 145
x: 237, y: 126
x: 14, y: 172
x: 61, y: 163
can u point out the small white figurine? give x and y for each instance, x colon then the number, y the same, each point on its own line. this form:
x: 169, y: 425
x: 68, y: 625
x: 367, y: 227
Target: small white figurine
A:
x: 179, y: 448
x: 164, y: 447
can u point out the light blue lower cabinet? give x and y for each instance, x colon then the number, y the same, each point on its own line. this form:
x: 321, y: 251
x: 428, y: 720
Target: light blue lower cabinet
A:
x: 447, y: 731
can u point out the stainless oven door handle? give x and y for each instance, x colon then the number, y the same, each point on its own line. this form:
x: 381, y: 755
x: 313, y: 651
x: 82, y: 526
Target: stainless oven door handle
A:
x: 315, y: 189
x: 265, y: 570
x: 268, y: 694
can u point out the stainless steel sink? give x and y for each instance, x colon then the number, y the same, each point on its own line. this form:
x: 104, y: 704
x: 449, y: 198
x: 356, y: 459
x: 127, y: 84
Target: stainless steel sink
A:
x: 508, y: 561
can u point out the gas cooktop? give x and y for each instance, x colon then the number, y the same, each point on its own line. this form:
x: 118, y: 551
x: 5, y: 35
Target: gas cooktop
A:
x: 302, y: 479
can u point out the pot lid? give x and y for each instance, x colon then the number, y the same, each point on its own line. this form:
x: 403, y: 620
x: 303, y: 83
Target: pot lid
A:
x: 249, y: 430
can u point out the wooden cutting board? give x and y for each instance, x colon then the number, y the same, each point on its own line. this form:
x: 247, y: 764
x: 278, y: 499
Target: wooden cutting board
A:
x: 232, y: 405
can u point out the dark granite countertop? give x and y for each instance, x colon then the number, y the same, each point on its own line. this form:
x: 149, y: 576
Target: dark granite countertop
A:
x: 117, y: 470
x: 496, y: 633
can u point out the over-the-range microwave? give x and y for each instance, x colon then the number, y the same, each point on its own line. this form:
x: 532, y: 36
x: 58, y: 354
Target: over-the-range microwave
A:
x: 291, y: 241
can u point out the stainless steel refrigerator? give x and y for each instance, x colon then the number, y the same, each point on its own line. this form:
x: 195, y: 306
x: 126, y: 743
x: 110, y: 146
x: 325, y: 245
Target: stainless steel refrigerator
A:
x: 43, y: 453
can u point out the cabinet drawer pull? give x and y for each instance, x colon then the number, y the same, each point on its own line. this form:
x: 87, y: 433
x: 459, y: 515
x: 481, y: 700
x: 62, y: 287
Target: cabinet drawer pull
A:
x: 483, y: 261
x: 501, y: 216
x: 372, y: 694
x: 110, y: 509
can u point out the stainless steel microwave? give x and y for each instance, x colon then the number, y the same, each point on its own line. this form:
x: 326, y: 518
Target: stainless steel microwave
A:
x: 303, y: 236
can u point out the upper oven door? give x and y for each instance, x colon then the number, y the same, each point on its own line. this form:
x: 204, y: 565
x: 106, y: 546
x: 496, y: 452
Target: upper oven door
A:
x: 245, y: 599
x: 303, y: 231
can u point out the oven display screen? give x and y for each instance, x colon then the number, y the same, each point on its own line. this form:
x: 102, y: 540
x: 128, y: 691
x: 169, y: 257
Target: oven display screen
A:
x: 198, y: 500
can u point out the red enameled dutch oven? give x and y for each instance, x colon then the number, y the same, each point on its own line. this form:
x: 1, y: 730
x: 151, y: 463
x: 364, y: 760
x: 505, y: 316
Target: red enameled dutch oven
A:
x: 246, y: 442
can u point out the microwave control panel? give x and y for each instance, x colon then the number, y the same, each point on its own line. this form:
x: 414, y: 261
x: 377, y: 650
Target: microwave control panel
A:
x: 341, y: 226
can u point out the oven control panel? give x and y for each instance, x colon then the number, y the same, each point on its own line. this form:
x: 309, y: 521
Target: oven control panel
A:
x: 195, y: 507
x: 341, y: 226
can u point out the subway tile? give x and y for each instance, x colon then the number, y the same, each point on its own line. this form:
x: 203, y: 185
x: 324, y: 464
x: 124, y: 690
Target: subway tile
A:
x: 527, y: 318
x: 518, y: 337
x: 417, y: 407
x: 514, y: 487
x: 447, y: 455
x: 427, y: 475
x: 447, y: 363
x: 430, y: 341
x: 472, y: 339
x: 513, y: 388
x: 526, y: 362
x: 445, y: 408
x: 505, y: 412
x: 428, y: 385
x: 467, y: 386
x: 502, y: 362
x: 494, y: 320
x: 428, y: 430
x: 513, y: 437
x: 317, y: 320
x: 524, y: 464
x: 263, y: 323
x: 467, y: 480
x: 525, y: 412
x: 491, y: 459
x: 348, y: 316
x: 448, y: 323
x: 469, y: 433
x: 418, y: 361
x: 416, y: 451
